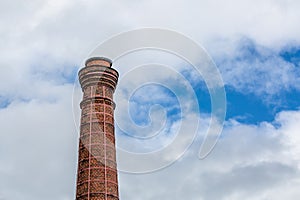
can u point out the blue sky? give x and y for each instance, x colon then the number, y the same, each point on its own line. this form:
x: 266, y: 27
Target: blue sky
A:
x: 256, y: 47
x: 244, y: 105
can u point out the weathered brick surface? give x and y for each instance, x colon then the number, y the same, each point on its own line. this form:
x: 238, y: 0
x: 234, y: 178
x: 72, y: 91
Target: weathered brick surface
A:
x: 97, y: 177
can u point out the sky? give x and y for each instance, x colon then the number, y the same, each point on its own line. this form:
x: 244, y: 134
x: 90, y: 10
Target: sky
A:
x: 163, y: 103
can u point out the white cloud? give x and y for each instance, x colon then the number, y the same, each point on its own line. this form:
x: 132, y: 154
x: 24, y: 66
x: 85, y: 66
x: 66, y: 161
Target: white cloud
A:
x: 249, y: 162
x: 38, y: 149
x: 56, y: 34
x: 251, y: 68
x: 69, y: 30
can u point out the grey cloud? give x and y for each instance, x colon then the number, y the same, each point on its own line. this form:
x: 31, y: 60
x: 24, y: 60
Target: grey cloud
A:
x: 249, y: 162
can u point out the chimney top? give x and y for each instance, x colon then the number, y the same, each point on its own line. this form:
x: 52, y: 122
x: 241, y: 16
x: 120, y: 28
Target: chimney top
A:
x: 98, y: 61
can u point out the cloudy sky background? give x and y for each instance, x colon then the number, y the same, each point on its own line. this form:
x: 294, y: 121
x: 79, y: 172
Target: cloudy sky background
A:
x: 256, y: 46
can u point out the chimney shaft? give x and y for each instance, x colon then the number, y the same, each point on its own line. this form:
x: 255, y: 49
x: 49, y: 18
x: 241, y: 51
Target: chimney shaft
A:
x: 97, y: 170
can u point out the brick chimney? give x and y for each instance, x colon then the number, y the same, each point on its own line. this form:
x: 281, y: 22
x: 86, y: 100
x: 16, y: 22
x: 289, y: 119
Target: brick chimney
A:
x: 97, y: 170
